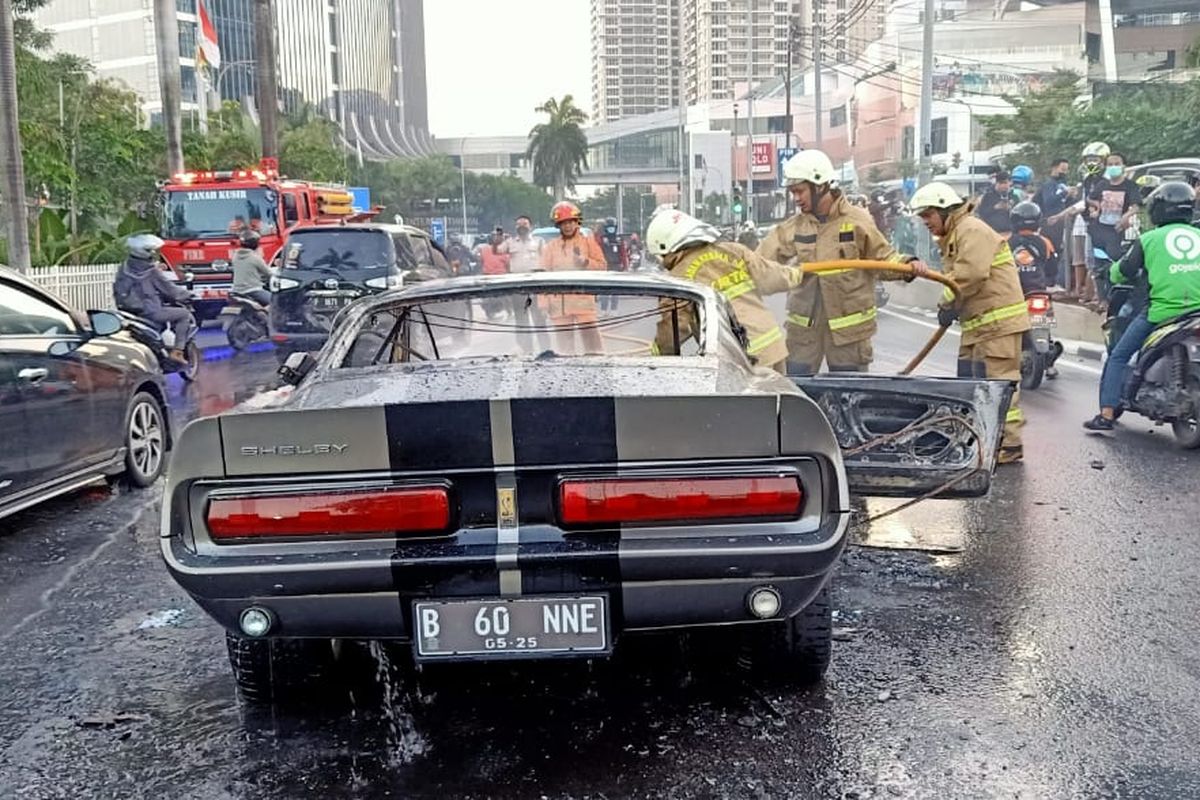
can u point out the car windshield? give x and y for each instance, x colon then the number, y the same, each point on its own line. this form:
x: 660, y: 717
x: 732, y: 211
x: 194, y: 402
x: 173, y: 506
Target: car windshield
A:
x: 217, y: 213
x: 338, y: 250
x: 521, y: 324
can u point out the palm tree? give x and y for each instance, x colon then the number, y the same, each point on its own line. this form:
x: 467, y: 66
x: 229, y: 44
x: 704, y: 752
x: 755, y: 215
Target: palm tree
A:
x: 13, y: 189
x: 558, y: 147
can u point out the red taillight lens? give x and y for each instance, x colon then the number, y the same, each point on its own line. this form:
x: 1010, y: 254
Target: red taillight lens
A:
x: 398, y: 510
x: 1039, y: 304
x: 616, y: 500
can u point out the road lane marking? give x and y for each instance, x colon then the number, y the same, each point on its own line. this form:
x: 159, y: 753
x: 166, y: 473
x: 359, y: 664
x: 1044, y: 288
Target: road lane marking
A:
x: 933, y: 326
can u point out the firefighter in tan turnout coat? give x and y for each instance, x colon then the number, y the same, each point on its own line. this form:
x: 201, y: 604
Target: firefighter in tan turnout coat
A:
x: 831, y: 316
x: 991, y: 310
x: 689, y: 248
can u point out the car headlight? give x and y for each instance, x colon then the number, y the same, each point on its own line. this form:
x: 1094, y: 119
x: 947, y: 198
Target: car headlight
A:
x: 278, y: 283
x: 386, y: 282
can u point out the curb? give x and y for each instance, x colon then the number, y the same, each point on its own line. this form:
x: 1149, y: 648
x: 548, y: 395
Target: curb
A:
x: 1072, y: 347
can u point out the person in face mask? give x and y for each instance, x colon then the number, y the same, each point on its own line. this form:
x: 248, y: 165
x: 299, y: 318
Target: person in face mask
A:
x: 525, y: 255
x: 1052, y: 197
x: 1113, y: 203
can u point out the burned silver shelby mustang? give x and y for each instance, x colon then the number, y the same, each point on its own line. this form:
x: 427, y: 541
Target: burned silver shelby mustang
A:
x: 597, y: 456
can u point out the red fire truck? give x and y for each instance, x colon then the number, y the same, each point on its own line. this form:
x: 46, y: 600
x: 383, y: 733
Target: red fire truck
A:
x: 203, y: 213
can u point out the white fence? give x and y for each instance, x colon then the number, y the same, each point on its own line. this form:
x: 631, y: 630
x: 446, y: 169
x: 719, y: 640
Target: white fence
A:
x: 83, y: 286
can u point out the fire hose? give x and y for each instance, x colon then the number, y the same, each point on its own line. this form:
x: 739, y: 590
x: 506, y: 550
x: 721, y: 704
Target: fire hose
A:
x: 819, y: 267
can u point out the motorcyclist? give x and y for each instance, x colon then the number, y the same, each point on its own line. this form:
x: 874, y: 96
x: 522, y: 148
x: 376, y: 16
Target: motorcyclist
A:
x: 250, y: 272
x: 459, y: 256
x: 991, y: 304
x: 1169, y: 255
x: 142, y: 288
x: 689, y: 248
x: 1091, y: 171
x: 1022, y: 181
x: 831, y: 317
x: 1033, y: 253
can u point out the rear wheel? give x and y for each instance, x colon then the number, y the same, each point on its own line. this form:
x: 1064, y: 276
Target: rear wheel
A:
x: 270, y: 670
x: 240, y: 334
x: 1187, y: 427
x: 798, y: 650
x: 1033, y: 369
x: 145, y: 440
x: 191, y: 353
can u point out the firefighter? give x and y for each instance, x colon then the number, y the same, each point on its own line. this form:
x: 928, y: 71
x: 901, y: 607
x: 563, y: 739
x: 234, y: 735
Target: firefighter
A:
x: 572, y: 250
x: 689, y: 249
x: 991, y: 308
x: 831, y: 317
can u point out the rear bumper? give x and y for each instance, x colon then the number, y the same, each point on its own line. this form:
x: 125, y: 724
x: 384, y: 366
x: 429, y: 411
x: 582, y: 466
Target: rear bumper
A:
x: 652, y: 584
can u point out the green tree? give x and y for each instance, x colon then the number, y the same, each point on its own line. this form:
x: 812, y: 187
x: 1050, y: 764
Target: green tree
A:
x: 308, y: 151
x: 1037, y: 115
x: 558, y: 147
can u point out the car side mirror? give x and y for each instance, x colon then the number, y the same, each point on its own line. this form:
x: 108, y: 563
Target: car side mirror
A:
x: 296, y: 368
x: 104, y: 323
x: 62, y: 348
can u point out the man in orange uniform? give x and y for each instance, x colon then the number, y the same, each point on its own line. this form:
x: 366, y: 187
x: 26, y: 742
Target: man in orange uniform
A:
x: 572, y: 251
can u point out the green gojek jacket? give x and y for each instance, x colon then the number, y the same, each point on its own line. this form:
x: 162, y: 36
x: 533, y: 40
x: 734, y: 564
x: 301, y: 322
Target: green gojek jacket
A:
x: 1170, y: 257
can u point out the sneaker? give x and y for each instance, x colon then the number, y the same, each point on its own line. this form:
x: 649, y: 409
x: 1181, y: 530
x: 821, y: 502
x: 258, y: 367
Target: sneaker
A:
x: 1099, y: 423
x: 1051, y: 373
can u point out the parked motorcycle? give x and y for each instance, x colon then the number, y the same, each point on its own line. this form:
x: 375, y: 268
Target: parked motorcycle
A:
x: 162, y: 342
x: 244, y: 321
x: 1164, y: 384
x: 1039, y: 350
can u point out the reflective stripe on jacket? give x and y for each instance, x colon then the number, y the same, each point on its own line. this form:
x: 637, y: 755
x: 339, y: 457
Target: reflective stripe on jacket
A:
x: 981, y: 263
x: 743, y: 277
x: 846, y: 295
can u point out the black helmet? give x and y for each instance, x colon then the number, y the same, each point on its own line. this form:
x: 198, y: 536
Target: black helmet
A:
x: 1173, y: 201
x: 249, y: 239
x: 1026, y: 215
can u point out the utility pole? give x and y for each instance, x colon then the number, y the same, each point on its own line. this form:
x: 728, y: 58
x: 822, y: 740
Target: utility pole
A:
x: 925, y: 172
x: 166, y: 44
x: 268, y: 82
x: 750, y: 114
x: 10, y: 146
x: 787, y: 99
x: 684, y: 204
x: 818, y: 111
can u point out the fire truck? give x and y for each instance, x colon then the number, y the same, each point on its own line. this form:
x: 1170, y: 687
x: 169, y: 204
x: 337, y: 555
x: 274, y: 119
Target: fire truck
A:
x: 204, y: 213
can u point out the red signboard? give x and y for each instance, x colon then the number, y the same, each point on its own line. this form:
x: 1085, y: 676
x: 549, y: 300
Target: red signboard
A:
x: 764, y: 158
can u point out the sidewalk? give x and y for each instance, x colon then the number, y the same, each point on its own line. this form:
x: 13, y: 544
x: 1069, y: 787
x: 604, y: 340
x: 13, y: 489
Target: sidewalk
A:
x: 1078, y: 328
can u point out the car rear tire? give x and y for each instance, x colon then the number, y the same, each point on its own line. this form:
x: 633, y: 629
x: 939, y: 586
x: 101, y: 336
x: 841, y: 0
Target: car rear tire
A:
x: 798, y: 650
x: 272, y: 670
x: 145, y: 440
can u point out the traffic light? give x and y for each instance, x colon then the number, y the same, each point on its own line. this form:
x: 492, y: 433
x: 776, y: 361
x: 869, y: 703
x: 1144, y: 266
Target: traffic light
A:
x: 956, y: 160
x: 737, y: 207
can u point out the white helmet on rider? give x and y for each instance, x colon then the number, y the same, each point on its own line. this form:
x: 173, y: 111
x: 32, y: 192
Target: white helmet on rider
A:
x: 1096, y: 150
x: 144, y: 245
x: 810, y: 166
x: 672, y: 230
x: 934, y: 195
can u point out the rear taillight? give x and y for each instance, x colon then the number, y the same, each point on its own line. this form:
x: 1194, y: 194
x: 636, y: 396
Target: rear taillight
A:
x: 1038, y: 304
x: 606, y: 501
x: 398, y: 510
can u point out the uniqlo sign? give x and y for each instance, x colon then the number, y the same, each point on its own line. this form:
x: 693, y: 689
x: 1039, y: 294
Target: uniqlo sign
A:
x: 763, y: 155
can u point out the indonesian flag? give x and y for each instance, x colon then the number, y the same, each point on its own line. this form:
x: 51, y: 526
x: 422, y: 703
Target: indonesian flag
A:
x: 208, y: 53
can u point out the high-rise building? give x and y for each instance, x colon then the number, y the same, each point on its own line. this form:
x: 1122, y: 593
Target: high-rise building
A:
x: 358, y: 62
x: 845, y: 28
x: 730, y: 42
x: 635, y: 57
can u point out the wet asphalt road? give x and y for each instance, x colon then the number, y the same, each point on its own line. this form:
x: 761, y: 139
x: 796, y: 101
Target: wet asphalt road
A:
x: 1045, y: 651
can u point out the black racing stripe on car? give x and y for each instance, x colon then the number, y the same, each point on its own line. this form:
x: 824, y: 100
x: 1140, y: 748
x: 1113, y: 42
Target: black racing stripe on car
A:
x: 564, y: 430
x: 446, y: 435
x: 805, y: 238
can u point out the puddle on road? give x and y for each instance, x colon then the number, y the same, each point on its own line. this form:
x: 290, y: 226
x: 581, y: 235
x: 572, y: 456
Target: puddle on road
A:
x: 934, y: 527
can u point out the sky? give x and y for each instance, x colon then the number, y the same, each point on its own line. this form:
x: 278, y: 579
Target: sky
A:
x: 489, y: 63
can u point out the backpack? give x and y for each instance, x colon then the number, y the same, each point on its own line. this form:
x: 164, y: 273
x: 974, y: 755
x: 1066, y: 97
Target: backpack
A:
x: 127, y: 292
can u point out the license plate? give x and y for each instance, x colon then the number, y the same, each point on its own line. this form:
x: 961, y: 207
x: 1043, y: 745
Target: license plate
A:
x: 330, y: 302
x: 211, y: 294
x: 193, y: 255
x: 521, y: 627
x: 1042, y: 321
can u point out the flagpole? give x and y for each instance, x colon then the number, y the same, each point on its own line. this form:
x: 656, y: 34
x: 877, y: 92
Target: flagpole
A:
x: 202, y: 97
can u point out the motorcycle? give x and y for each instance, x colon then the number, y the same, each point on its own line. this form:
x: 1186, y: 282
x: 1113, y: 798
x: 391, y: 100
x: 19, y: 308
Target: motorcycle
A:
x: 162, y: 342
x: 881, y: 295
x: 1164, y: 384
x: 244, y: 321
x: 1039, y: 350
